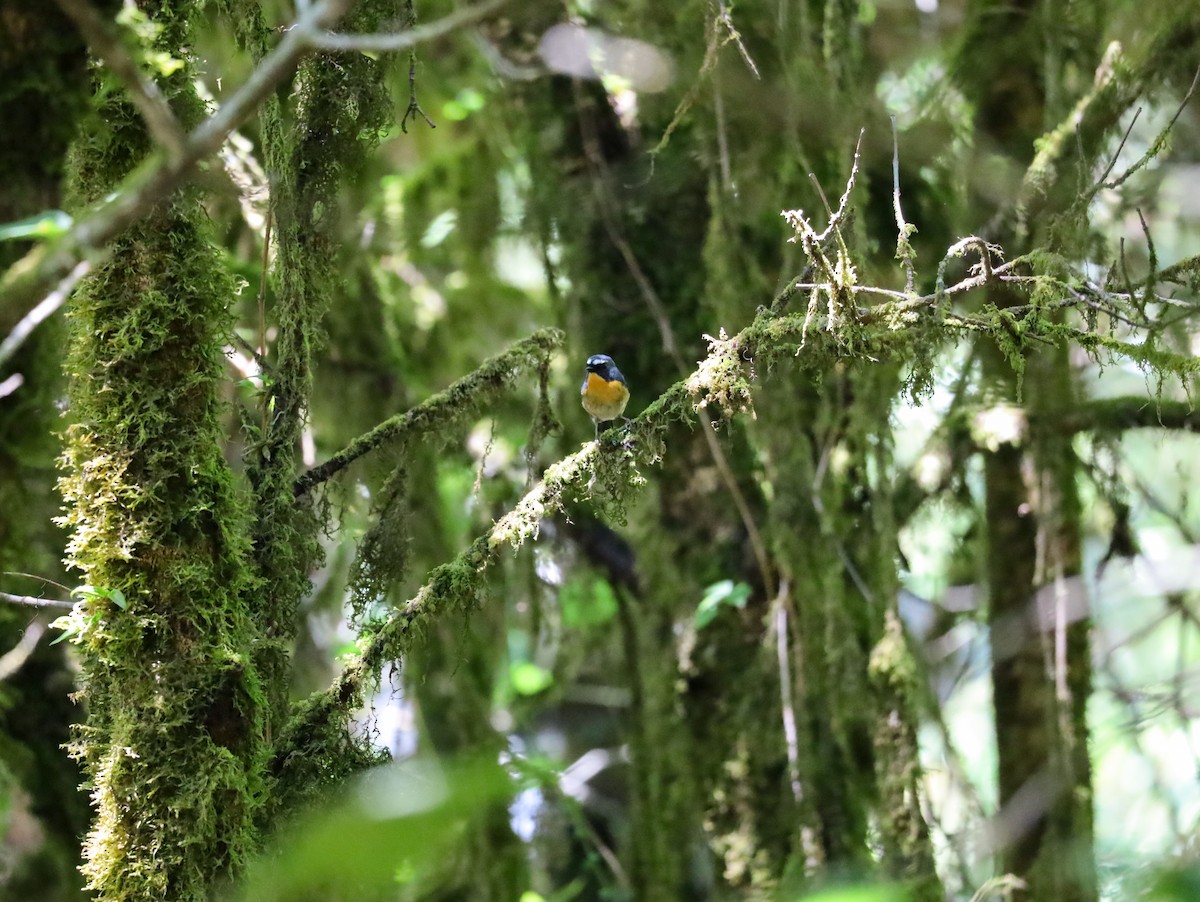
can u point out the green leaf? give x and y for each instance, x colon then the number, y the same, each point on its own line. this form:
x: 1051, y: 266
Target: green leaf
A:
x: 529, y: 679
x: 467, y: 102
x: 116, y: 596
x: 68, y: 627
x: 439, y: 230
x: 50, y: 224
x: 726, y: 593
x: 587, y: 602
x: 393, y: 822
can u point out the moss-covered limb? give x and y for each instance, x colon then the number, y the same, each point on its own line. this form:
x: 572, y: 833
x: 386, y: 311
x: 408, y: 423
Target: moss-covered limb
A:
x: 458, y: 583
x: 1185, y: 272
x: 1120, y: 82
x: 144, y: 93
x: 1121, y: 413
x: 335, y: 112
x: 27, y: 280
x: 442, y: 410
x: 720, y: 380
x: 316, y: 731
x: 383, y: 553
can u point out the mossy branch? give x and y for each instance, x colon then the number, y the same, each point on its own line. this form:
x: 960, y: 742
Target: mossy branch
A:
x: 47, y: 265
x: 1109, y: 416
x: 145, y: 94
x: 440, y: 410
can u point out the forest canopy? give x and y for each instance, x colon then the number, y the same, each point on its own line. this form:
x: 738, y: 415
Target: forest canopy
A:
x: 318, y: 581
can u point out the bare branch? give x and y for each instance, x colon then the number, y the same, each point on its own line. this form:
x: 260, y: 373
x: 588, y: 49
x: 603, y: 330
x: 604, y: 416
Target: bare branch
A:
x: 14, y: 659
x: 43, y: 311
x: 404, y: 40
x: 32, y: 601
x: 414, y: 108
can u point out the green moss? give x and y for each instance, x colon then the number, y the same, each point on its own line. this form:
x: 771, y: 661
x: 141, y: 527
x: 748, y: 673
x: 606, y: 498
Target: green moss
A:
x: 176, y: 714
x: 175, y: 741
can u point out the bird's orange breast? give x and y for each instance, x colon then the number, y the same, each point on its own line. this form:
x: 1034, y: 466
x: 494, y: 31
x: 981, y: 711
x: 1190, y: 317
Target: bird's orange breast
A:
x: 603, y: 399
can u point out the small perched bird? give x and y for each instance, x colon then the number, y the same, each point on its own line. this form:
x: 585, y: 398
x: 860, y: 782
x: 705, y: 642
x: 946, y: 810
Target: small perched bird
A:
x: 604, y: 392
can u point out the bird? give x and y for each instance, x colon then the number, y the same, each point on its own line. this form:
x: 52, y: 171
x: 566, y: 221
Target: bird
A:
x: 604, y: 392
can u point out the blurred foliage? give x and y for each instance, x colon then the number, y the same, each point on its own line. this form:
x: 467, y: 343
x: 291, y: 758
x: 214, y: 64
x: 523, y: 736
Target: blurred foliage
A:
x: 634, y: 668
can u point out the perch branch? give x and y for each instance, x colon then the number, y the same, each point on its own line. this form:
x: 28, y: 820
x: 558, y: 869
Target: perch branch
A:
x: 436, y: 411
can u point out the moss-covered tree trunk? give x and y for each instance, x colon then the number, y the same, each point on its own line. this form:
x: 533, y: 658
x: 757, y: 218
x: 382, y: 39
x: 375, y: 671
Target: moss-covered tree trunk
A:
x: 187, y: 637
x: 174, y: 743
x: 1041, y: 664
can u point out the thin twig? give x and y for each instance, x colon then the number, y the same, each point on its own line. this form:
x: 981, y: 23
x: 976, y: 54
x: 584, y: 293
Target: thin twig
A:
x: 40, y: 579
x: 903, y: 230
x: 414, y: 108
x: 1158, y: 142
x: 1101, y: 182
x: 812, y: 177
x: 43, y: 311
x: 32, y: 601
x: 844, y: 201
x: 726, y: 19
x: 410, y: 37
